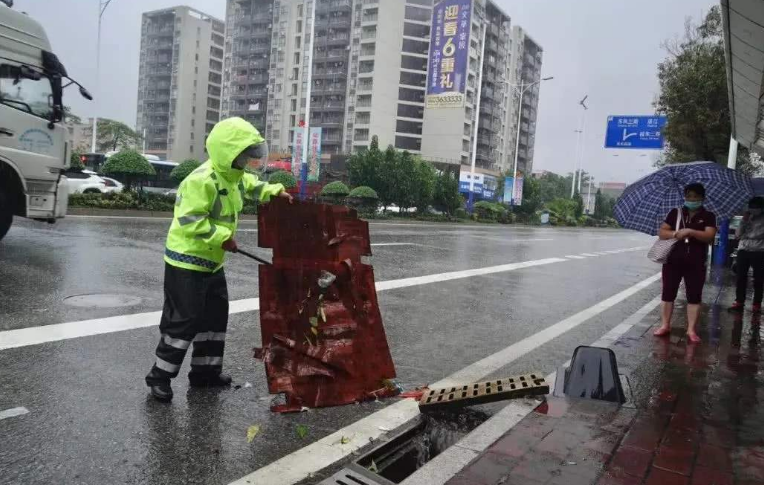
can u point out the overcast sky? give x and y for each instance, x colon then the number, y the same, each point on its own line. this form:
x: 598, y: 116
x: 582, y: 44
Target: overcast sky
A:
x: 608, y: 49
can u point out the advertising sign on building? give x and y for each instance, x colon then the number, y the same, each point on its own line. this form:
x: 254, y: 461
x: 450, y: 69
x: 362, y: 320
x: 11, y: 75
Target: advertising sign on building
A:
x: 639, y: 132
x: 464, y: 183
x: 297, y: 152
x: 513, y: 190
x: 449, y: 54
x: 314, y: 159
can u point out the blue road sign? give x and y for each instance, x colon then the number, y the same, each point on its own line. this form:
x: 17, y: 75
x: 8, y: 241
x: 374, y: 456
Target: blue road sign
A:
x: 640, y: 132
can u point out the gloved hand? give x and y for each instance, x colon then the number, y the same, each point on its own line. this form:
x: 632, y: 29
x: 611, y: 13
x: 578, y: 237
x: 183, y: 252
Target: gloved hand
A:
x: 230, y: 246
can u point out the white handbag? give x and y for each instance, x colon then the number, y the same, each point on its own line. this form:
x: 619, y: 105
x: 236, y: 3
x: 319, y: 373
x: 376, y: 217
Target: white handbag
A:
x: 661, y: 249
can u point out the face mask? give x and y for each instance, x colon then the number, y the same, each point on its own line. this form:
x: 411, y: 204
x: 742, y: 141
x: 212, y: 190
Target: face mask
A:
x: 693, y: 205
x: 754, y: 212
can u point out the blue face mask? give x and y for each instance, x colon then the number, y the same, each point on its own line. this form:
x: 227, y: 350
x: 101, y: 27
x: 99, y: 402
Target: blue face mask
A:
x: 692, y: 205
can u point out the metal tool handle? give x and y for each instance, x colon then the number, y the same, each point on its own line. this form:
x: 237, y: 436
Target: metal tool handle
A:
x: 252, y: 256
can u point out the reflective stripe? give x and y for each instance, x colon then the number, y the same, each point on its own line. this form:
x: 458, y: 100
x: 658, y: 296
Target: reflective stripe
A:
x: 217, y: 209
x: 166, y: 366
x: 258, y: 190
x: 191, y: 218
x: 185, y: 258
x: 176, y: 342
x: 207, y: 361
x: 214, y: 336
x: 207, y: 234
x: 178, y: 199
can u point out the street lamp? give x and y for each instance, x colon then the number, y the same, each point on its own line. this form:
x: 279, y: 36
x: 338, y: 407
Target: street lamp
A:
x: 102, y: 4
x: 521, y: 89
x: 580, y: 145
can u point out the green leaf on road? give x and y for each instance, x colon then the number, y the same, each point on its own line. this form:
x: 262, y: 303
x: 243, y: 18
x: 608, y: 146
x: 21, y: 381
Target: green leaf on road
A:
x: 252, y: 431
x: 313, y: 321
x: 302, y: 431
x: 345, y: 440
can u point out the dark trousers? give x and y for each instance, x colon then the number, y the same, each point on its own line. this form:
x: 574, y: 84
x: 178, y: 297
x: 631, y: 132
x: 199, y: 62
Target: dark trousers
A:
x: 746, y: 260
x: 692, y: 272
x: 195, y: 311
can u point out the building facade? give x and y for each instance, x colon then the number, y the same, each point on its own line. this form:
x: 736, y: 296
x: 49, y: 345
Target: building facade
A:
x: 180, y: 81
x: 369, y: 76
x: 449, y: 133
x: 525, y: 68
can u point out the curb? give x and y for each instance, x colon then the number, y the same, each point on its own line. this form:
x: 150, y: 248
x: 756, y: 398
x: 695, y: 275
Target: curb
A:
x: 92, y: 212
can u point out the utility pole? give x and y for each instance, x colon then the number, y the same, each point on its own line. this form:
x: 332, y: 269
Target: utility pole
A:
x: 306, y: 128
x: 578, y: 144
x: 471, y: 197
x: 102, y: 4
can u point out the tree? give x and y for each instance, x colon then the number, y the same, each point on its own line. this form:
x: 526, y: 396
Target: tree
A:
x: 423, y: 187
x: 579, y: 207
x: 693, y: 94
x: 446, y: 196
x: 532, y: 201
x: 114, y: 135
x: 183, y: 170
x: 402, y: 177
x: 284, y: 178
x: 75, y: 162
x: 365, y: 199
x: 363, y: 167
x: 129, y: 166
x: 599, y: 206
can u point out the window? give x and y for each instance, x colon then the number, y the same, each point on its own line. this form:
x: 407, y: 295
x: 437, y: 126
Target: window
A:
x: 409, y: 127
x: 34, y: 96
x: 297, y: 43
x: 418, y: 14
x: 192, y: 135
x: 413, y: 79
x: 416, y: 30
x: 415, y: 46
x: 295, y: 73
x: 293, y: 120
x: 414, y: 63
x: 294, y: 105
x: 407, y: 143
x: 191, y: 148
x: 409, y: 111
x: 297, y: 58
x: 294, y: 89
x: 299, y: 26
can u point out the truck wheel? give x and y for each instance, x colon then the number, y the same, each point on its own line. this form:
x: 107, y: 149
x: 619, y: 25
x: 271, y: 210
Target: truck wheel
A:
x: 6, y: 215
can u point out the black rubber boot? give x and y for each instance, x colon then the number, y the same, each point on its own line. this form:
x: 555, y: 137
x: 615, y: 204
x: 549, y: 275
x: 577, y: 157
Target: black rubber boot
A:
x: 217, y: 380
x: 162, y: 392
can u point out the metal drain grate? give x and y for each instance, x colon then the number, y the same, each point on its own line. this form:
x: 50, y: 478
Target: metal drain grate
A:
x: 484, y: 392
x: 346, y: 476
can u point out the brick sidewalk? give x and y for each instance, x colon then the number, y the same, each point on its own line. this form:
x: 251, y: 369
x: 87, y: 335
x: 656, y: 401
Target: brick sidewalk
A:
x: 700, y: 422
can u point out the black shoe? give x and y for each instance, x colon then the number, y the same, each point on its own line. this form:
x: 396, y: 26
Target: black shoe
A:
x: 217, y: 380
x: 162, y: 392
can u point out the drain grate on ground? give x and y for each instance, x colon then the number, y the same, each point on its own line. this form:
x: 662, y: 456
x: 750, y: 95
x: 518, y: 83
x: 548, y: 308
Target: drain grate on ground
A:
x: 355, y: 475
x: 484, y: 392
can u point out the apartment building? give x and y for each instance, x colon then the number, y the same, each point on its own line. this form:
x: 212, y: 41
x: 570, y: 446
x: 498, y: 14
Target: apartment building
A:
x: 369, y: 77
x: 449, y: 132
x: 180, y: 81
x: 525, y: 68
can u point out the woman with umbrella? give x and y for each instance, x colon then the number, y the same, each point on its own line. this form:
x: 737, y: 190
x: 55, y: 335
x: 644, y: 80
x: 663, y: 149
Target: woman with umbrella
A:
x: 687, y: 260
x: 693, y: 195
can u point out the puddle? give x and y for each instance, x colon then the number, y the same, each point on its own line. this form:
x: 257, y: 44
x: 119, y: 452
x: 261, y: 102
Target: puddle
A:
x: 102, y: 300
x: 410, y: 450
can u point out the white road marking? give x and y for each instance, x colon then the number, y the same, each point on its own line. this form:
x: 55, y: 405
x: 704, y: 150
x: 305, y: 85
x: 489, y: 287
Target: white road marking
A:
x: 394, y: 244
x: 12, y: 413
x: 443, y: 467
x: 575, y: 257
x: 313, y: 458
x: 588, y: 255
x: 23, y: 337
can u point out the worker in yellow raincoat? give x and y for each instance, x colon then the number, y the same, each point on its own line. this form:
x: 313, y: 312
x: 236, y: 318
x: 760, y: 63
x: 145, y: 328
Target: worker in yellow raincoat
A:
x: 207, y: 210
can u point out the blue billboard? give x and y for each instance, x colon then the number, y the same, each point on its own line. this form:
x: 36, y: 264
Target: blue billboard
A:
x: 449, y: 54
x: 640, y: 132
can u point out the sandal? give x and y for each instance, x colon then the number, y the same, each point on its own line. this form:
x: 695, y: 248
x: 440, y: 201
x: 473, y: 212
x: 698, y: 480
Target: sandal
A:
x: 662, y: 332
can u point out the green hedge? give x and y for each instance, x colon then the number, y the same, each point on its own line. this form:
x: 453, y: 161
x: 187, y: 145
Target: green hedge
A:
x: 335, y: 189
x: 363, y: 192
x: 490, y: 212
x: 132, y: 201
x: 284, y: 178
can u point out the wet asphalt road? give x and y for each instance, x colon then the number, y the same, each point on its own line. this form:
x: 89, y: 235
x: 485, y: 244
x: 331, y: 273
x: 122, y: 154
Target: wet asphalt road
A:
x: 89, y: 418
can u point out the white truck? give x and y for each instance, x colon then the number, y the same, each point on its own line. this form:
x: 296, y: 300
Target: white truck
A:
x: 34, y: 146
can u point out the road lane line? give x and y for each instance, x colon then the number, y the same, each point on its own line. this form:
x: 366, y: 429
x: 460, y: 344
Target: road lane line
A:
x: 589, y: 255
x: 23, y: 337
x: 13, y: 412
x: 453, y: 460
x: 575, y: 257
x: 315, y: 457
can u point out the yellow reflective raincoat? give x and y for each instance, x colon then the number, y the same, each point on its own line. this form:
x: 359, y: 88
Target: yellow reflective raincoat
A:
x: 210, y: 199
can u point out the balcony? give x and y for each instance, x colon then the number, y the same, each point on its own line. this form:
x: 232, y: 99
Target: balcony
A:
x: 334, y: 55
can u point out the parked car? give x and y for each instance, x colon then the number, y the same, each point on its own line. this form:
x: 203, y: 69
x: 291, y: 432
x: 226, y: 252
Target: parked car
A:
x: 84, y: 182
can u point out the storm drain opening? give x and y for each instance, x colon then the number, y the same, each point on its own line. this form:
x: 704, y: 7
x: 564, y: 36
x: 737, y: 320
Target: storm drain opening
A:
x: 409, y: 450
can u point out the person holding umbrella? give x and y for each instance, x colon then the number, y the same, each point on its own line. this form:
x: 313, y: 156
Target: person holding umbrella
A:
x: 687, y: 261
x: 751, y: 255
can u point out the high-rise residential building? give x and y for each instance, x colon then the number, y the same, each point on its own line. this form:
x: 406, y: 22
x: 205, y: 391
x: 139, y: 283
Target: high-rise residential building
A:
x: 180, y: 81
x: 525, y: 68
x: 449, y: 133
x: 369, y: 76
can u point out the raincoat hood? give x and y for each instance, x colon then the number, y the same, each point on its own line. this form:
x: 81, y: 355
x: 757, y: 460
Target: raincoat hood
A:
x: 226, y: 141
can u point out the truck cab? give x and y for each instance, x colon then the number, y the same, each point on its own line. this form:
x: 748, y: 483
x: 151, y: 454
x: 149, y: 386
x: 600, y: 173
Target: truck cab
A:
x: 34, y: 146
